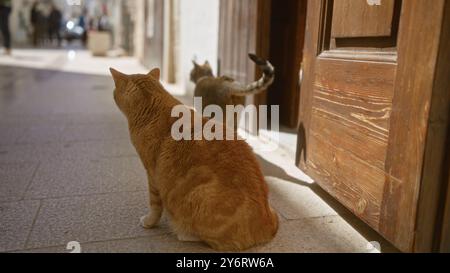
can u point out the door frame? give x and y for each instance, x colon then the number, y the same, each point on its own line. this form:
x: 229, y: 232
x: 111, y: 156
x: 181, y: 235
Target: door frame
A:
x: 265, y: 47
x: 154, y: 47
x: 286, y: 54
x: 247, y: 21
x: 444, y: 240
x: 435, y: 169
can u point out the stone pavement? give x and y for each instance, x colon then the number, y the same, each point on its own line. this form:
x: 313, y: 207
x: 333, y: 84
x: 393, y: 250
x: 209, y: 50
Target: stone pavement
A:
x: 69, y: 173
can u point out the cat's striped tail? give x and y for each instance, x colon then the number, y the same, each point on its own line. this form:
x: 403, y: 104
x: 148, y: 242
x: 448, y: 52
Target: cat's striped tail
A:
x: 259, y: 86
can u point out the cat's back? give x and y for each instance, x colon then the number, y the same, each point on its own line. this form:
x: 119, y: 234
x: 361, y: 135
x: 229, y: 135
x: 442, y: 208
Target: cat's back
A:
x: 233, y: 155
x: 211, y: 86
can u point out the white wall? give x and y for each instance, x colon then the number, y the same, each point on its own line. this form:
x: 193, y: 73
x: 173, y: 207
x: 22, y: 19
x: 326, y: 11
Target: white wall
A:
x: 139, y: 29
x: 199, y: 36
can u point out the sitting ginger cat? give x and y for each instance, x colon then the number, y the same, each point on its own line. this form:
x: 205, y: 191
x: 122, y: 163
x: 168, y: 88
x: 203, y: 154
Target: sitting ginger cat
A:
x: 212, y: 191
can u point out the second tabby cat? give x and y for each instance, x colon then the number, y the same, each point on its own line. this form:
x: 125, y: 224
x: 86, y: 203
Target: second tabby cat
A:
x: 223, y: 91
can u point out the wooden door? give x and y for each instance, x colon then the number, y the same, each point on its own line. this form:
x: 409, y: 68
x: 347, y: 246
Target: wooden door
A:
x: 244, y: 28
x: 374, y: 111
x: 154, y: 33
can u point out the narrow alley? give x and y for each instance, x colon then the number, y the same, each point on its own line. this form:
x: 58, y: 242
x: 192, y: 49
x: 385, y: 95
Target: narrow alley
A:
x: 352, y: 95
x: 69, y: 173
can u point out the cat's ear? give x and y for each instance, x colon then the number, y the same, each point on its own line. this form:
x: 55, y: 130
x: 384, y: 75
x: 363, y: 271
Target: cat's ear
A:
x: 118, y: 77
x: 207, y: 63
x: 195, y: 63
x: 155, y: 73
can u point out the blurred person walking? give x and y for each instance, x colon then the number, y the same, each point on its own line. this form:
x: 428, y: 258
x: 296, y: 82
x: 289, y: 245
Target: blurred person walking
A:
x: 54, y: 28
x: 5, y: 12
x: 82, y: 22
x: 35, y: 19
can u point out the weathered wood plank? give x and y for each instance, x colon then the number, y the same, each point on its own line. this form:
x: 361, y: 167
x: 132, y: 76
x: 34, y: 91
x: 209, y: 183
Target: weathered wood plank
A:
x: 434, y: 174
x: 356, y: 18
x: 364, y: 80
x: 352, y: 181
x: 420, y: 29
x: 358, y: 95
x: 351, y: 138
x: 445, y: 236
x: 312, y: 34
x: 370, y: 116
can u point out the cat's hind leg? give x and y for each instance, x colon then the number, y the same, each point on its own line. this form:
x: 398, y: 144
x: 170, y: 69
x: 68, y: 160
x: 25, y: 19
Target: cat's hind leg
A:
x: 156, y: 209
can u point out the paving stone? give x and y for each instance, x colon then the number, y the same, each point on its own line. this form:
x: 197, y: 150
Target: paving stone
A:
x: 317, y: 235
x: 111, y: 116
x: 9, y: 134
x: 295, y: 201
x: 329, y: 234
x: 14, y: 180
x: 16, y: 219
x: 41, y: 134
x: 91, y: 218
x: 96, y: 131
x: 87, y: 176
x: 71, y: 150
x: 149, y: 244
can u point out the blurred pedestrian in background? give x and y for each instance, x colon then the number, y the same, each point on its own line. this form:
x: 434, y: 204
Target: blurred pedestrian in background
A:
x: 5, y: 11
x: 54, y: 28
x: 103, y: 22
x: 82, y: 22
x: 35, y: 20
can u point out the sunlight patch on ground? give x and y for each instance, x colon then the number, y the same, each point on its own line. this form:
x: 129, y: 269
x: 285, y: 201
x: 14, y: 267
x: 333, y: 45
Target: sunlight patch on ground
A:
x: 77, y: 61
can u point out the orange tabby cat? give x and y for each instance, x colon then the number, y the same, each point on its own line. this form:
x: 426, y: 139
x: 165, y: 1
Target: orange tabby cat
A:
x: 212, y: 191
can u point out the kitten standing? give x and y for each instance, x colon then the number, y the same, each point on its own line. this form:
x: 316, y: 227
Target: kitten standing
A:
x: 212, y: 191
